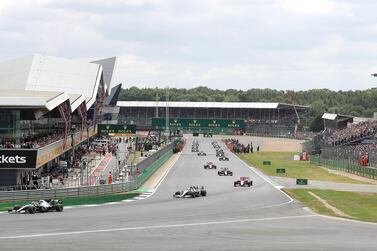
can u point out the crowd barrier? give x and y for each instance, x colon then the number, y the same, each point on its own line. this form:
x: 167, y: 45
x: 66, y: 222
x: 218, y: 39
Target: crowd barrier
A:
x: 148, y: 166
x: 364, y: 171
x: 278, y: 136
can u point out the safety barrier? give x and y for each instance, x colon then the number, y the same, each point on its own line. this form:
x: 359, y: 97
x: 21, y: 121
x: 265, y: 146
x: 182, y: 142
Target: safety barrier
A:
x: 368, y: 172
x: 67, y: 192
x: 307, y: 137
x: 147, y: 173
x: 148, y: 166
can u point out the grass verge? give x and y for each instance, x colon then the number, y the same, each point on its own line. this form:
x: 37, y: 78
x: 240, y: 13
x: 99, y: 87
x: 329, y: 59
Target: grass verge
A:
x: 85, y: 200
x: 294, y: 169
x: 360, y: 206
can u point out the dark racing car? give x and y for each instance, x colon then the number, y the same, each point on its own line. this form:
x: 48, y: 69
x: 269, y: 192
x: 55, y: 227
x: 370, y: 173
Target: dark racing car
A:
x: 223, y: 158
x: 201, y: 153
x: 225, y: 172
x: 219, y: 153
x: 191, y: 192
x: 243, y: 182
x: 40, y: 206
x: 210, y: 165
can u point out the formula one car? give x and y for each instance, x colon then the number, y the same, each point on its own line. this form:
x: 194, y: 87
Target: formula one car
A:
x: 223, y: 158
x: 210, y: 165
x: 219, y: 153
x: 194, y: 150
x: 225, y: 172
x: 243, y: 182
x: 201, y: 153
x: 192, y: 191
x: 39, y: 206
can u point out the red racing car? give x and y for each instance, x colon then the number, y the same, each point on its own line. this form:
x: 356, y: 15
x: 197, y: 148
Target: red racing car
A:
x: 243, y: 182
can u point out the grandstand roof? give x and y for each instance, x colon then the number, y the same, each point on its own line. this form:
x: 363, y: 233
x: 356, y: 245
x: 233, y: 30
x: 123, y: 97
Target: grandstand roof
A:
x: 31, y: 99
x: 34, y: 75
x: 333, y: 116
x: 249, y: 105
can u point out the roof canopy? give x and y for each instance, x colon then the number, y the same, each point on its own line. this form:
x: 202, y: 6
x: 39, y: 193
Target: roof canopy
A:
x: 252, y: 105
x: 334, y: 116
x: 33, y: 81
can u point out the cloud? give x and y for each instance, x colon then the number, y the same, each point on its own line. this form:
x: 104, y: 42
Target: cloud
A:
x: 317, y: 7
x: 283, y: 44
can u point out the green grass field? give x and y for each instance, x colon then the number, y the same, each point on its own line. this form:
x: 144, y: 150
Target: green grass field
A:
x: 87, y: 200
x: 360, y: 206
x: 294, y: 169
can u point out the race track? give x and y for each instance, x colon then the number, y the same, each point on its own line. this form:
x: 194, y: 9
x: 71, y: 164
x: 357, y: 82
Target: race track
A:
x: 228, y: 218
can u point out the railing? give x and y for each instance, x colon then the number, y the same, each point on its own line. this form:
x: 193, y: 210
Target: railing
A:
x: 67, y: 192
x: 364, y: 171
x: 148, y: 166
x: 308, y: 137
x: 51, y: 151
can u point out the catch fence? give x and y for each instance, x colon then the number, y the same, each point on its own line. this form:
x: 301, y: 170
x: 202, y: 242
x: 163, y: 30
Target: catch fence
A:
x: 345, y: 166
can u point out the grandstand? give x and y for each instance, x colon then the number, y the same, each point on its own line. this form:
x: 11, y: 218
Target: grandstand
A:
x: 260, y: 118
x: 347, y: 139
x: 48, y: 105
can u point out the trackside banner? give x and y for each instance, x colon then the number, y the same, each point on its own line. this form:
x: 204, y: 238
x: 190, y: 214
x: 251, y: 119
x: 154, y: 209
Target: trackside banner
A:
x: 18, y: 158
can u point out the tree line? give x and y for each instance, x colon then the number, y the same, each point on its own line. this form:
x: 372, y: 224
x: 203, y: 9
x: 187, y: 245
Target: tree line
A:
x: 360, y: 103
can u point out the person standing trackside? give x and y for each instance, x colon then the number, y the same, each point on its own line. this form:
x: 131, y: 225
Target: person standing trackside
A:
x: 110, y: 178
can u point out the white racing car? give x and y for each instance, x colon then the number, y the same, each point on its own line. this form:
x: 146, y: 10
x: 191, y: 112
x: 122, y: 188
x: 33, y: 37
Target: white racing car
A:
x: 39, y: 206
x: 191, y: 192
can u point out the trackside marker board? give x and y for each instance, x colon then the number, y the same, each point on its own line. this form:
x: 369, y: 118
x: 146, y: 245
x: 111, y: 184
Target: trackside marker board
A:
x: 280, y: 170
x: 301, y: 181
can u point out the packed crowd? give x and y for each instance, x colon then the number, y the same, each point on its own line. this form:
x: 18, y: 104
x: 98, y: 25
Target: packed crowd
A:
x: 34, y: 141
x: 350, y: 134
x: 235, y: 146
x: 362, y: 154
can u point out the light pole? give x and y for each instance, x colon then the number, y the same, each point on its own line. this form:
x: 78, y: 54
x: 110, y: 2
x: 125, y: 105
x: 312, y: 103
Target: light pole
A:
x: 167, y: 118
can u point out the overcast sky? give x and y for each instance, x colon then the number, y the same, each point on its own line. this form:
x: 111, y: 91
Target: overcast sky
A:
x: 242, y: 44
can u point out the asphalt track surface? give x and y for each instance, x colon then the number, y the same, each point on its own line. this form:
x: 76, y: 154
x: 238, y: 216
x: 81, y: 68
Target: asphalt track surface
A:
x: 228, y: 218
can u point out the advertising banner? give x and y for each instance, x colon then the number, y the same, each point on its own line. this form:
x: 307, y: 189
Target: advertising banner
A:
x: 201, y: 123
x: 18, y: 158
x: 116, y: 129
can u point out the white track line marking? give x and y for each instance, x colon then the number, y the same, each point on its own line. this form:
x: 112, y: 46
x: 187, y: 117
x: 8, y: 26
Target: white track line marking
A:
x: 112, y: 203
x: 153, y: 227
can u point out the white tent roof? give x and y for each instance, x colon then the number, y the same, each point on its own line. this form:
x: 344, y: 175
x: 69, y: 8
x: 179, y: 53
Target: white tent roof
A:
x: 31, y: 99
x: 329, y: 116
x: 253, y: 105
x: 79, y: 80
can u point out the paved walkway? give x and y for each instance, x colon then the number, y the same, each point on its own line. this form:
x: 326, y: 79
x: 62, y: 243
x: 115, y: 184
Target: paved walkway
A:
x: 350, y: 175
x: 291, y: 183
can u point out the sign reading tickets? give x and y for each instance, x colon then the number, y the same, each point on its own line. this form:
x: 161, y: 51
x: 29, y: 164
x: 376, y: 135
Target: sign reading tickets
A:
x: 18, y: 158
x: 200, y: 123
x: 116, y: 129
